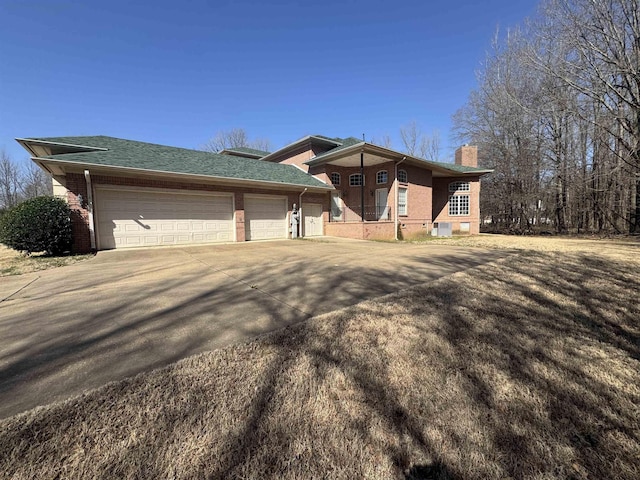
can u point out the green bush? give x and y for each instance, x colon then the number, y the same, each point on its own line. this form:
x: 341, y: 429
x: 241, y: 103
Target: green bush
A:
x: 41, y: 224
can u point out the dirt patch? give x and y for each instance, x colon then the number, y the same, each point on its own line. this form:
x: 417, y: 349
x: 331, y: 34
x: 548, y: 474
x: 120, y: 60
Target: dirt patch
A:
x: 15, y: 263
x: 525, y: 368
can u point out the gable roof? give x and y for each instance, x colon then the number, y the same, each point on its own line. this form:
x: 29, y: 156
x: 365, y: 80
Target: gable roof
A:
x: 110, y: 152
x: 350, y: 145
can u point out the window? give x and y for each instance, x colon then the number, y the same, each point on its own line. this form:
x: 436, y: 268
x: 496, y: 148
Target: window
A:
x: 459, y: 187
x: 402, y: 176
x: 458, y: 205
x: 355, y: 180
x: 335, y: 178
x: 402, y: 201
x: 381, y: 177
x: 336, y: 206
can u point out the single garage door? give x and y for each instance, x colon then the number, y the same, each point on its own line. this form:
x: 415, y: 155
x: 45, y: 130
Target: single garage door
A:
x: 136, y: 218
x: 265, y: 217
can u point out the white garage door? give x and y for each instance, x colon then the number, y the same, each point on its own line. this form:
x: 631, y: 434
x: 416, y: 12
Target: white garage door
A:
x: 128, y: 218
x: 265, y: 217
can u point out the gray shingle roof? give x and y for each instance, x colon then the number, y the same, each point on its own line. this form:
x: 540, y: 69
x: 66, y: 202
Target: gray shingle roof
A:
x: 252, y: 151
x: 148, y: 156
x: 351, y: 141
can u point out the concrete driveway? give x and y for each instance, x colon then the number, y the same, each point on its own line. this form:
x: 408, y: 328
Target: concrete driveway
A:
x: 74, y: 328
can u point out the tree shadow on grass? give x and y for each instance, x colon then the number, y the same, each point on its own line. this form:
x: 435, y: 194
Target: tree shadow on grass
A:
x: 514, y: 371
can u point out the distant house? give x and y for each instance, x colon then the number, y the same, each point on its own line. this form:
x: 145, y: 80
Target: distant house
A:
x: 126, y: 193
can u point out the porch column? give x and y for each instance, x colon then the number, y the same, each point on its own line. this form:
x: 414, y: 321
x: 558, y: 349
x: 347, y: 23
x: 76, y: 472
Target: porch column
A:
x: 362, y: 185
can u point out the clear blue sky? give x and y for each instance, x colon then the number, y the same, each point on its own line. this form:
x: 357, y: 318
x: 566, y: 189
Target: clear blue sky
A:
x: 176, y: 72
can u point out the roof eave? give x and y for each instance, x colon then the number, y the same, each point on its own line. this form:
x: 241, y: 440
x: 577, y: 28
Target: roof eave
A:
x: 300, y: 142
x: 227, y: 180
x: 389, y: 153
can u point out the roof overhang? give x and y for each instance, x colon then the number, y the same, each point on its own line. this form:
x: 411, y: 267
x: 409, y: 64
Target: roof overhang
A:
x: 298, y: 143
x: 375, y: 155
x: 61, y: 167
x: 42, y: 148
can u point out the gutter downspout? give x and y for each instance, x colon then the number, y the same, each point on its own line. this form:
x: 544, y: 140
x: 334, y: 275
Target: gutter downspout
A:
x: 397, y: 195
x: 92, y: 232
x: 300, y: 222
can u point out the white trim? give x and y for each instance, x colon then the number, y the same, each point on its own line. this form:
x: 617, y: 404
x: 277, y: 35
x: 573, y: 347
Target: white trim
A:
x: 210, y: 178
x: 356, y: 175
x: 386, y: 177
x: 284, y: 198
x: 458, y: 198
x: 406, y: 202
x: 306, y: 205
x: 169, y: 191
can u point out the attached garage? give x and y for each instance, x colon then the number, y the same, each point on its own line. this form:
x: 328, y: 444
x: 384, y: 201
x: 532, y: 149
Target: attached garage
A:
x: 135, y: 218
x: 265, y: 217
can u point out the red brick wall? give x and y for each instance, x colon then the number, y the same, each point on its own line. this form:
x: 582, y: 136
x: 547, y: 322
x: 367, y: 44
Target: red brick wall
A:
x: 76, y: 185
x: 441, y: 203
x: 361, y: 230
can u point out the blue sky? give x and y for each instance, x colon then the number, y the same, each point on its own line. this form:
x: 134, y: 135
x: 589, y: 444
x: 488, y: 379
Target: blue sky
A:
x: 177, y: 72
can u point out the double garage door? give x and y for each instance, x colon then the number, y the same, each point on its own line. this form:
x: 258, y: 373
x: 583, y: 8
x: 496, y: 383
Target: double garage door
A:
x: 135, y: 218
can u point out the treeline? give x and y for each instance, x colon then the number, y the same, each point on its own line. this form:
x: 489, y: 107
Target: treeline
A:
x: 557, y: 115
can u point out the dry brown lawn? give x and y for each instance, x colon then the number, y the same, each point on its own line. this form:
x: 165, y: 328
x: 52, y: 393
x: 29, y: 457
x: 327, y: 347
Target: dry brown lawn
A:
x: 528, y: 367
x: 15, y: 263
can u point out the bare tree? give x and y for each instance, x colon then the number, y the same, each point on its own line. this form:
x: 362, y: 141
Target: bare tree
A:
x: 9, y: 181
x: 599, y: 58
x: 35, y: 182
x: 383, y: 141
x: 235, y: 138
x: 419, y: 144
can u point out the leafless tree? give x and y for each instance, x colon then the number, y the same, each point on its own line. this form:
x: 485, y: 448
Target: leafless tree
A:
x: 235, y: 138
x: 599, y: 58
x: 383, y: 141
x: 9, y: 181
x: 419, y: 144
x: 35, y: 182
x: 557, y: 115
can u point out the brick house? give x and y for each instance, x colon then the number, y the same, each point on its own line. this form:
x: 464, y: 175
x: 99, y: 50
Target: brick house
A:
x: 125, y: 193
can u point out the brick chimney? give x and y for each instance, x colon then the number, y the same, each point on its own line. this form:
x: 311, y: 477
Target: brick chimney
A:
x: 467, y: 155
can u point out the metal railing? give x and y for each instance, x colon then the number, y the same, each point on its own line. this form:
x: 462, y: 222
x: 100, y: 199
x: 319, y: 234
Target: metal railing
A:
x: 352, y: 213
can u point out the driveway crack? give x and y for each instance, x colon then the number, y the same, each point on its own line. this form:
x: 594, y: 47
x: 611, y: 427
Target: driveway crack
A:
x: 19, y: 290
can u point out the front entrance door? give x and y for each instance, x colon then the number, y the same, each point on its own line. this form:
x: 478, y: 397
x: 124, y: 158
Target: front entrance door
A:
x: 382, y: 210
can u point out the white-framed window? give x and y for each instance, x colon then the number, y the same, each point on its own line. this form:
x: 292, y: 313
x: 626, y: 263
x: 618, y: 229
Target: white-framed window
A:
x: 402, y: 201
x: 355, y: 180
x: 402, y: 176
x: 459, y: 187
x: 458, y: 205
x: 335, y: 178
x: 381, y: 177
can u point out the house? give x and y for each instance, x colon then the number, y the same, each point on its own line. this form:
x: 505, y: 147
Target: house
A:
x: 125, y: 193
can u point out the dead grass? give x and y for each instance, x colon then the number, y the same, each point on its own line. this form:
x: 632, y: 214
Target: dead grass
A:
x: 525, y: 368
x: 15, y: 263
